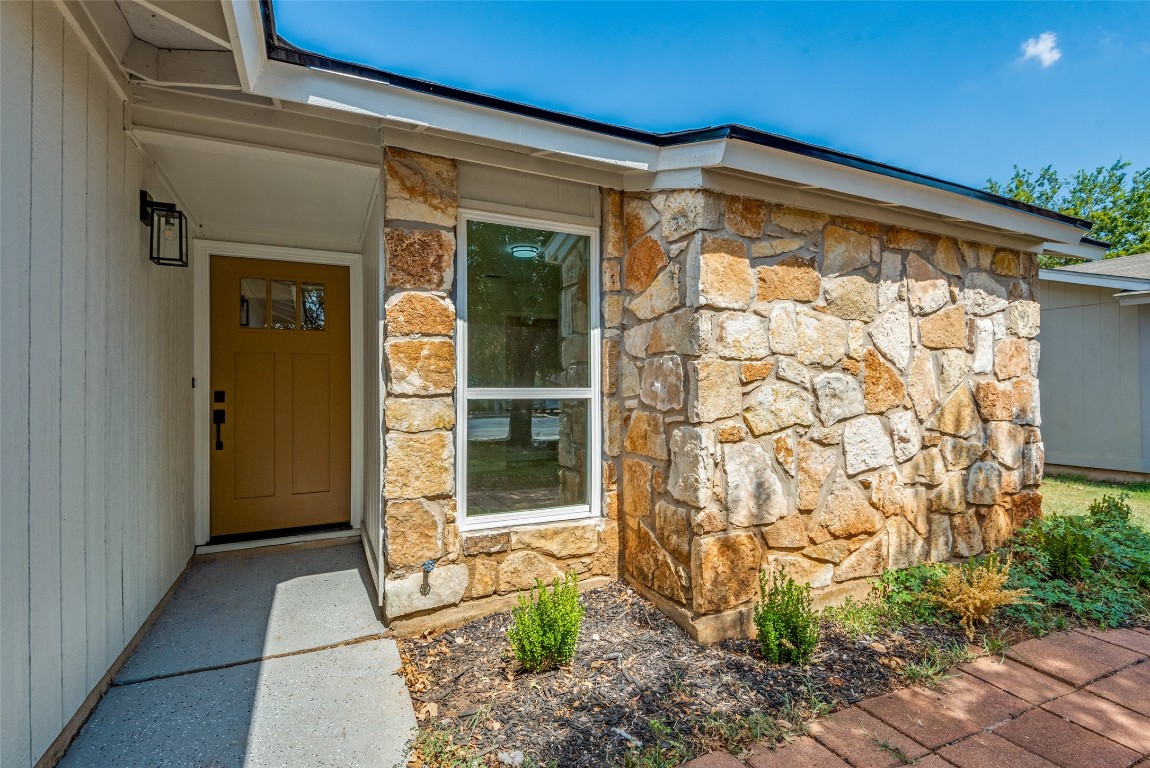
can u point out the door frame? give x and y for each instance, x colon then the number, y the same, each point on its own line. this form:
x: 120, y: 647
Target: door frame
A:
x: 202, y: 253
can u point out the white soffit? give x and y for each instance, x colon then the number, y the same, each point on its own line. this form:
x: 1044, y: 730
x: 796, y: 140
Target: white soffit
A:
x: 244, y: 193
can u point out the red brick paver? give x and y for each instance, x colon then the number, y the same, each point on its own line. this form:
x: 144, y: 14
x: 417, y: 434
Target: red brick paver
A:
x: 1075, y: 699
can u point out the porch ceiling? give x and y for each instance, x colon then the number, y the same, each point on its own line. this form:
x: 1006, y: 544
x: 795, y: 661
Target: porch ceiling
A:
x: 246, y: 194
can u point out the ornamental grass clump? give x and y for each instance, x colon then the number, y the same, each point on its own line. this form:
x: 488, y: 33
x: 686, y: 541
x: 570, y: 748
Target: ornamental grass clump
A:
x: 545, y: 627
x: 788, y: 626
x: 974, y: 590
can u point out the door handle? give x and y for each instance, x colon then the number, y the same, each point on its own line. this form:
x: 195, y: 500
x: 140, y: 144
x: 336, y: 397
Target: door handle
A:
x: 218, y: 419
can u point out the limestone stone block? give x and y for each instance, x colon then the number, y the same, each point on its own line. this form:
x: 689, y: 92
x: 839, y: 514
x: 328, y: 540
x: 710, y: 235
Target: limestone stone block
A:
x: 419, y: 258
x: 858, y: 340
x: 866, y: 445
x: 784, y: 331
x: 612, y: 311
x: 660, y: 297
x: 419, y: 465
x: 967, y: 535
x: 686, y: 211
x: 484, y: 578
x: 801, y: 569
x: 741, y: 336
x: 839, y: 397
x: 420, y: 187
x: 754, y: 495
x: 673, y: 528
x: 995, y: 400
x: 891, y: 335
x: 746, y: 216
x: 983, y: 483
x: 692, y: 465
x: 794, y: 372
x: 784, y: 445
x: 845, y: 250
x: 643, y: 262
x: 847, y: 512
x: 787, y: 533
x: 947, y: 257
x: 982, y: 342
x: 522, y: 569
x: 832, y: 551
x: 1027, y: 410
x: 1005, y: 263
x: 773, y: 246
x: 851, y: 298
x: 945, y: 329
x: 560, y: 541
x: 868, y: 560
x: 1032, y: 460
x: 996, y: 528
x: 959, y: 453
x: 412, y: 313
x: 653, y: 566
x: 910, y: 240
x: 906, y: 434
x: 925, y: 467
x: 927, y: 287
x: 950, y: 496
x: 982, y: 294
x: 957, y: 416
x: 720, y: 275
x: 821, y: 339
x: 685, y: 332
x: 419, y: 414
x: 1026, y: 506
x: 612, y: 206
x: 887, y: 492
x: 1005, y: 441
x: 813, y: 466
x: 715, y: 391
x: 491, y: 543
x: 890, y: 280
x: 940, y: 539
x: 905, y: 547
x: 1023, y: 318
x: 636, y: 489
x: 612, y: 428
x: 883, y: 388
x: 662, y: 382
x: 414, y: 532
x: 612, y: 275
x: 420, y: 366
x: 724, y: 570
x: 797, y: 220
x: 825, y: 435
x: 1012, y: 358
x: 402, y: 596
x: 638, y: 217
x: 776, y: 405
x: 953, y: 367
x: 791, y: 279
x: 645, y: 435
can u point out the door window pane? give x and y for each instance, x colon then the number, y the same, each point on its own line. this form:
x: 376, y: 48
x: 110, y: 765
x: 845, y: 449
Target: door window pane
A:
x: 253, y: 302
x: 312, y: 295
x: 527, y: 313
x: 283, y: 305
x: 526, y: 455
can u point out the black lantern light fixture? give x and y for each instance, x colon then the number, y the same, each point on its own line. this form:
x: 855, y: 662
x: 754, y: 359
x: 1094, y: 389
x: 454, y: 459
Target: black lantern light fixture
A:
x: 168, y: 244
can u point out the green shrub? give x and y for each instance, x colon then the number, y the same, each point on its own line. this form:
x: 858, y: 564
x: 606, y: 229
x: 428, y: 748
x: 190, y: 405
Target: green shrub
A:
x: 908, y: 593
x: 1067, y: 544
x: 545, y: 627
x: 788, y: 626
x: 1110, y: 511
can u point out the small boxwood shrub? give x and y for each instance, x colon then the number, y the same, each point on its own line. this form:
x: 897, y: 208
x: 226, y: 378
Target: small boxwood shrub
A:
x: 545, y: 627
x: 788, y: 626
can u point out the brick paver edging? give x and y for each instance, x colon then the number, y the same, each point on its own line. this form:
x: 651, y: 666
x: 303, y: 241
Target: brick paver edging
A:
x: 1075, y: 699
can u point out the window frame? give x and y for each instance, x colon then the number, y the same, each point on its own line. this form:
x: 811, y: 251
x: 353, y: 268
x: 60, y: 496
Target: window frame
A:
x: 592, y: 393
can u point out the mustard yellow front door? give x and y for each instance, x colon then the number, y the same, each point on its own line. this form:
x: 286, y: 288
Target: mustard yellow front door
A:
x: 280, y: 395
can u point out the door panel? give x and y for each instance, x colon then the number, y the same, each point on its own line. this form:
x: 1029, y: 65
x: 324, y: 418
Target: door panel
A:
x: 281, y: 368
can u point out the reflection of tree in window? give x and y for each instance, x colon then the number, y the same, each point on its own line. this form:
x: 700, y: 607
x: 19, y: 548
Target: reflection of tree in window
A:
x: 313, y: 314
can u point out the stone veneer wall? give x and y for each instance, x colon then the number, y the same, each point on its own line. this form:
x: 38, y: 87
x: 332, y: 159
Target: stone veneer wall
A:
x: 481, y: 570
x: 820, y: 394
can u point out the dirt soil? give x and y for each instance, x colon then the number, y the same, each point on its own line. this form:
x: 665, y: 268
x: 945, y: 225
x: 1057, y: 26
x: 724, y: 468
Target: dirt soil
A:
x: 634, y: 666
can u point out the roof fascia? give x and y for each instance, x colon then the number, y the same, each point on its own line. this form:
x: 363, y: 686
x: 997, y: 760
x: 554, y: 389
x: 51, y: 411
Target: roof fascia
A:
x: 1133, y: 298
x: 1084, y: 249
x: 1099, y: 281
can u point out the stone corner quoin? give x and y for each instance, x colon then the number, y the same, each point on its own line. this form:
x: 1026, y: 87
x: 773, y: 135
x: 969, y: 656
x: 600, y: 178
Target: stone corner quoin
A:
x: 781, y: 389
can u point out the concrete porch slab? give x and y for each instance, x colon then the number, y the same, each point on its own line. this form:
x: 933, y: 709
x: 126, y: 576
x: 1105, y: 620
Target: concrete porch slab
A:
x: 259, y: 603
x: 335, y: 707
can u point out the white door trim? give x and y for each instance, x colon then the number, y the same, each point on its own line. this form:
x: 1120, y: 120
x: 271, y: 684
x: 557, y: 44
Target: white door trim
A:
x: 202, y: 252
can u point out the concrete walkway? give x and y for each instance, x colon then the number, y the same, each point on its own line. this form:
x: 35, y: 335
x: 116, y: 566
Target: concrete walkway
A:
x: 1072, y: 700
x: 262, y: 658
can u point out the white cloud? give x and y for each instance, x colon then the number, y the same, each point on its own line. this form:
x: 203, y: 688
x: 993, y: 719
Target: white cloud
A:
x: 1044, y: 48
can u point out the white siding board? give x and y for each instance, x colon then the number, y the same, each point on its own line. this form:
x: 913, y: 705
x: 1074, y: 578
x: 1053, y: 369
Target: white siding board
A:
x: 73, y: 308
x: 15, y: 250
x: 44, y: 369
x: 116, y: 481
x: 546, y: 194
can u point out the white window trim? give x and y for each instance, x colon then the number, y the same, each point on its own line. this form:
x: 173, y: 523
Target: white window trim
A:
x: 592, y: 394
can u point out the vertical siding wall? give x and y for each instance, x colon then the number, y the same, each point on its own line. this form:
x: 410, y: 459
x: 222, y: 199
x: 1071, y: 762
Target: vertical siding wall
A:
x: 95, y: 521
x: 1091, y: 379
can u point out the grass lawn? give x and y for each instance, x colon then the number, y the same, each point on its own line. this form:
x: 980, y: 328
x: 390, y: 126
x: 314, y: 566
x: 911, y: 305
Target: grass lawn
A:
x: 1072, y: 494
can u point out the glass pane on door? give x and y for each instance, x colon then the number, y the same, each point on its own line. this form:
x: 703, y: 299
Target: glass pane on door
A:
x: 526, y: 455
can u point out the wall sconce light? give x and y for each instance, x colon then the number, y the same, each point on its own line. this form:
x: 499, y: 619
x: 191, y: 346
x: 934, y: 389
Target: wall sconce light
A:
x: 168, y: 244
x: 524, y: 251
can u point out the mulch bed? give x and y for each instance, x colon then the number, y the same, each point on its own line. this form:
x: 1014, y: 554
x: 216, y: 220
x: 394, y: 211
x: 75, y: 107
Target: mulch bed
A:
x: 633, y: 666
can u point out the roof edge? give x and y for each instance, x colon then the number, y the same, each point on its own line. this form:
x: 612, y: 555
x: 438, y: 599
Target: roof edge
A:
x: 280, y: 50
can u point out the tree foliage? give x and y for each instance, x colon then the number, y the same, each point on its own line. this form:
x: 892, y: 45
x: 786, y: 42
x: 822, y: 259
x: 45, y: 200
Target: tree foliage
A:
x: 1116, y: 201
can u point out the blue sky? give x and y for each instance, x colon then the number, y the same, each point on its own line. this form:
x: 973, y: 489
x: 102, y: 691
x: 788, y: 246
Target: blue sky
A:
x: 961, y: 91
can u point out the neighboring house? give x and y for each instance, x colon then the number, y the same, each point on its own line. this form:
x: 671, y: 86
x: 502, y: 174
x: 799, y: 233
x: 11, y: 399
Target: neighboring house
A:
x: 491, y: 341
x: 1095, y: 367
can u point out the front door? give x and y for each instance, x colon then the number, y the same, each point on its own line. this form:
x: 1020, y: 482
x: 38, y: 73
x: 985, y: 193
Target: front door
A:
x: 281, y: 396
